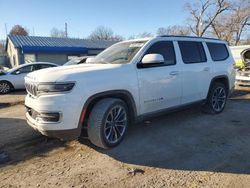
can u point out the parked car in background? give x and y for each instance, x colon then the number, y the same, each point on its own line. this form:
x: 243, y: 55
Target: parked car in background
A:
x: 77, y: 60
x: 243, y: 73
x: 237, y: 52
x: 14, y: 78
x: 129, y: 81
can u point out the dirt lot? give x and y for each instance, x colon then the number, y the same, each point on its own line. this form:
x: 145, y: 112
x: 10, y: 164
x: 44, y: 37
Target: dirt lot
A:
x: 183, y: 149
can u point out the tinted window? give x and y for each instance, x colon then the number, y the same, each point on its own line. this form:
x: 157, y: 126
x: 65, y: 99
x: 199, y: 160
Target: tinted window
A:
x: 192, y: 52
x: 43, y: 66
x: 166, y: 49
x: 25, y: 69
x: 217, y: 51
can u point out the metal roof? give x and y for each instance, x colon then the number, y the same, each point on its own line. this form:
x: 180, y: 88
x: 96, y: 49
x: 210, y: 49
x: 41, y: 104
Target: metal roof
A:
x: 53, y: 44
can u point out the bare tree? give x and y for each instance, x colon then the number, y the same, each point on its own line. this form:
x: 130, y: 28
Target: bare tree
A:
x: 58, y: 33
x: 141, y: 35
x: 174, y: 30
x: 117, y: 38
x: 203, y: 13
x: 231, y: 26
x: 223, y: 29
x: 144, y: 35
x: 104, y: 33
x: 18, y: 30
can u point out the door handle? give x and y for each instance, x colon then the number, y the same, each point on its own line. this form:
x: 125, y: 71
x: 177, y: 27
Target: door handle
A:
x: 174, y: 73
x: 206, y: 69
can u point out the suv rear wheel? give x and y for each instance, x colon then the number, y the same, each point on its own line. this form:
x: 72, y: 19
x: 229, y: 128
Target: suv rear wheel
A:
x: 217, y: 98
x: 108, y: 122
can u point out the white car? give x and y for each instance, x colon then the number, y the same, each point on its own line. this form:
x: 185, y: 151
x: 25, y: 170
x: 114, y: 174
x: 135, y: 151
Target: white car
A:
x: 14, y: 78
x: 130, y: 81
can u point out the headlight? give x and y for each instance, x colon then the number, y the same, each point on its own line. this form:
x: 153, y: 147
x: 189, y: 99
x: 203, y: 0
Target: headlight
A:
x: 54, y: 87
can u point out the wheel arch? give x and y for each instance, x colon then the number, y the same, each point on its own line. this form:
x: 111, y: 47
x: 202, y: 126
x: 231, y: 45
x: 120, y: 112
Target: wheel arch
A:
x: 12, y: 86
x: 124, y: 95
x: 222, y: 79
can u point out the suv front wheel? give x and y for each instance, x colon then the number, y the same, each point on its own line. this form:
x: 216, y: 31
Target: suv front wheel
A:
x: 217, y: 98
x: 108, y: 122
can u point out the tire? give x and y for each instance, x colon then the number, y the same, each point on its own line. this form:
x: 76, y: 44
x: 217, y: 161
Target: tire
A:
x: 108, y: 123
x: 217, y: 98
x: 5, y: 87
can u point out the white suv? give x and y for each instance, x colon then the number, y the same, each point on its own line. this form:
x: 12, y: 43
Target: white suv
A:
x: 129, y: 81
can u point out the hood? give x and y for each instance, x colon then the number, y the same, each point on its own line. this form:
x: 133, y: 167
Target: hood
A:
x: 67, y: 73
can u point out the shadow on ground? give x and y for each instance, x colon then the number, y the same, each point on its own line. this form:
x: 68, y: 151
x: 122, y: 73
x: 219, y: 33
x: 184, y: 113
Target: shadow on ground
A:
x: 187, y: 140
x: 12, y: 98
x: 19, y: 142
x: 190, y: 140
x: 241, y: 92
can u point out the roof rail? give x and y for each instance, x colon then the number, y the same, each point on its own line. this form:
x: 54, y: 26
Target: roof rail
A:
x: 188, y: 37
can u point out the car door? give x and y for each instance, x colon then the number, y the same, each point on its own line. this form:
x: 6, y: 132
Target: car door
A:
x: 196, y: 71
x: 160, y: 84
x: 17, y: 77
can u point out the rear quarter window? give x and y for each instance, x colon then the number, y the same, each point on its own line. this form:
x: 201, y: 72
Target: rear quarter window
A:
x: 192, y: 52
x: 217, y: 51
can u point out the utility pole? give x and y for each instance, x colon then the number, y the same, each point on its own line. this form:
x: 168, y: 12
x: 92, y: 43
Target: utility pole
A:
x: 6, y: 30
x: 33, y: 31
x: 66, y: 30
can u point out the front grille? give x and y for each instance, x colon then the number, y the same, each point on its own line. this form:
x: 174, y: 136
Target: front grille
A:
x: 31, y: 88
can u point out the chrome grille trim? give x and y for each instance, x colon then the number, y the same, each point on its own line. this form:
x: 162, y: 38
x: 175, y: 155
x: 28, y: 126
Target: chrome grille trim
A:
x: 31, y: 88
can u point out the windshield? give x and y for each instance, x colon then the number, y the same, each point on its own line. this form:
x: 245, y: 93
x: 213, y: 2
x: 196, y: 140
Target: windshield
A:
x: 120, y: 53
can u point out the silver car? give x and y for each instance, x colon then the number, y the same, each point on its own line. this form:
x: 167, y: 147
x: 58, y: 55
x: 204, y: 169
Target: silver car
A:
x: 14, y: 78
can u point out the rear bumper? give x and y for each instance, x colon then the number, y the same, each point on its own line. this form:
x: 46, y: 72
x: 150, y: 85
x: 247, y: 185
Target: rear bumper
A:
x: 231, y: 91
x: 242, y: 80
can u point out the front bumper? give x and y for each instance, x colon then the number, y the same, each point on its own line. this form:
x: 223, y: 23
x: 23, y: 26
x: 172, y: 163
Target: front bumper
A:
x: 70, y: 110
x: 70, y: 134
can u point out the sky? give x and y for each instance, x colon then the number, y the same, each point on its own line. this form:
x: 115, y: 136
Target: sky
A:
x: 124, y: 17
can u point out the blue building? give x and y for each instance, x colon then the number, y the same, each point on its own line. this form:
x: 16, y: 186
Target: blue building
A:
x: 22, y: 49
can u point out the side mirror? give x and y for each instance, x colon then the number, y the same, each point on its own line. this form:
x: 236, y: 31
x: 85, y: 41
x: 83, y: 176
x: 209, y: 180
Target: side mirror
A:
x: 152, y: 58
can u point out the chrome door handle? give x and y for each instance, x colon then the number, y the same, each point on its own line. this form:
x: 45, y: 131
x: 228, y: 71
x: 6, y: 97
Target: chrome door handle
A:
x: 174, y: 73
x: 206, y: 69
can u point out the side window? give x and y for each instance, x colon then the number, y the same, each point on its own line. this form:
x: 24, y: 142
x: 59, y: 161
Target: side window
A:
x: 43, y: 66
x: 25, y: 69
x: 192, y: 52
x: 166, y: 49
x: 217, y: 51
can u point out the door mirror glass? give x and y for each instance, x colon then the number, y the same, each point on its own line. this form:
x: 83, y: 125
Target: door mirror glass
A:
x: 152, y: 58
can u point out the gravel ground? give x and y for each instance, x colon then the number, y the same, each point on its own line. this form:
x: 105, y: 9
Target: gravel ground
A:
x: 182, y: 149
x: 13, y: 98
